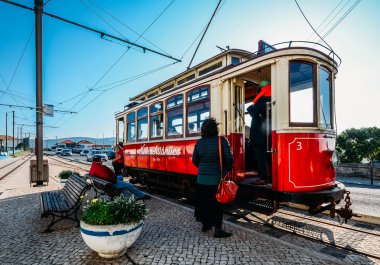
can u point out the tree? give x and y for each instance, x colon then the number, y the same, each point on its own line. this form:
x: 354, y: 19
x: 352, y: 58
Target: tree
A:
x: 354, y: 145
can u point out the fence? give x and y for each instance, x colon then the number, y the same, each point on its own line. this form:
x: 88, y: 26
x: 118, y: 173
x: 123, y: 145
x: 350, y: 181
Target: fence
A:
x: 367, y: 171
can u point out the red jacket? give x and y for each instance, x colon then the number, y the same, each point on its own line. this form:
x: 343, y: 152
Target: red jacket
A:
x: 103, y: 172
x: 119, y: 156
x: 266, y: 91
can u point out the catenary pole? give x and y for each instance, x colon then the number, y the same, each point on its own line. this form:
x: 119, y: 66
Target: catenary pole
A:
x: 38, y: 10
x: 13, y: 127
x: 6, y: 132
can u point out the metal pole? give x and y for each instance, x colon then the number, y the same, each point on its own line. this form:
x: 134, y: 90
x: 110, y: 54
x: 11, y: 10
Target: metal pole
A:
x: 6, y: 132
x: 13, y: 127
x: 38, y: 9
x: 371, y: 173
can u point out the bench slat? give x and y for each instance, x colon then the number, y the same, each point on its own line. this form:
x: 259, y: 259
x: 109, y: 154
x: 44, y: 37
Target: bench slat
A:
x: 69, y: 197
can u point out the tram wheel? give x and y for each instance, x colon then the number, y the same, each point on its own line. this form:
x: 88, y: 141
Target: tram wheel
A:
x: 145, y: 181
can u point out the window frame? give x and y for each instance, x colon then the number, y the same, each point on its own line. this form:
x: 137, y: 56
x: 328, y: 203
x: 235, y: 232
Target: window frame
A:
x: 174, y: 108
x: 156, y: 114
x: 126, y: 127
x: 315, y: 114
x: 325, y: 67
x: 138, y: 121
x: 187, y: 134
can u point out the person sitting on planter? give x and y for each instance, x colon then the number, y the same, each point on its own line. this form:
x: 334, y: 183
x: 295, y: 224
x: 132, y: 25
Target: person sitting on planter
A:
x: 101, y: 171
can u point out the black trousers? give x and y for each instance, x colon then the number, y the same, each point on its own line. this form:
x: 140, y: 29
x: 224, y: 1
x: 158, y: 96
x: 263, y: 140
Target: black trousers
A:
x: 260, y: 152
x: 207, y: 209
x: 117, y: 167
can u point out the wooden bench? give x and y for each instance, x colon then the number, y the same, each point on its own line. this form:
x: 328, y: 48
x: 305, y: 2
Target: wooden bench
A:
x: 64, y: 203
x: 103, y: 187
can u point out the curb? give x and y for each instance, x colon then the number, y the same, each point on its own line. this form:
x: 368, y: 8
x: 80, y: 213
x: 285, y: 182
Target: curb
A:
x: 357, y: 216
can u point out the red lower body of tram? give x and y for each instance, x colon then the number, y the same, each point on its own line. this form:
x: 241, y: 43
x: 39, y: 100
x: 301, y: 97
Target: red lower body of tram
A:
x: 302, y: 171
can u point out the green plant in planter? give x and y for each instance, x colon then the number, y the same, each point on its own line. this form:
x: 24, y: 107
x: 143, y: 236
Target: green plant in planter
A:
x: 65, y: 174
x: 122, y: 210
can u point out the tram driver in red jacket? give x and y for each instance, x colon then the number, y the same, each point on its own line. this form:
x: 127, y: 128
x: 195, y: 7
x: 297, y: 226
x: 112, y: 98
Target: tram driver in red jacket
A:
x: 104, y: 172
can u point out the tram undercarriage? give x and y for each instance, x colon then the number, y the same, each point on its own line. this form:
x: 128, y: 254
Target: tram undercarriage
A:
x: 259, y: 198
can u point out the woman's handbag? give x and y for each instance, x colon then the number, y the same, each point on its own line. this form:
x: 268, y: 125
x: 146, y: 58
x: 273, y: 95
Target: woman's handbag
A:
x: 227, y: 189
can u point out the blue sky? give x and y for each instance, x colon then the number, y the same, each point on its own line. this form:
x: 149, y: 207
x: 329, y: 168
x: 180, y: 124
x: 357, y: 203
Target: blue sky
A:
x: 74, y: 59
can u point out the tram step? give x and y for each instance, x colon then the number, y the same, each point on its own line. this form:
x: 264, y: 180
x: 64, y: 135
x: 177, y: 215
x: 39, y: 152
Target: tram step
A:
x: 267, y: 207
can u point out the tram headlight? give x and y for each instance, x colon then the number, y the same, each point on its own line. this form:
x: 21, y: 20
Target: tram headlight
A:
x: 334, y: 159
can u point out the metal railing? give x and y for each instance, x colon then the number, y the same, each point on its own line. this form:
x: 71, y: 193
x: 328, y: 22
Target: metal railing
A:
x: 300, y: 44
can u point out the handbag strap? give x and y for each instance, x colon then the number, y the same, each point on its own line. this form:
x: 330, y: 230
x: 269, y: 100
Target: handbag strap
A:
x: 220, y: 156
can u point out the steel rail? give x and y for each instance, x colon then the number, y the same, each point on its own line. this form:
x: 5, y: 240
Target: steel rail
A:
x: 11, y: 163
x: 330, y: 224
x: 293, y: 232
x: 14, y: 169
x: 70, y: 164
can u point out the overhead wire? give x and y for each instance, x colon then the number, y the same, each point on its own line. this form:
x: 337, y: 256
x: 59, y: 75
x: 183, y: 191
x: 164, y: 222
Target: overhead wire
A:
x: 113, y: 66
x: 200, y: 33
x: 103, y: 19
x: 204, y: 33
x: 342, y: 18
x: 125, y: 25
x: 19, y: 61
x: 118, y: 85
x: 320, y: 25
x: 312, y: 26
x: 333, y: 18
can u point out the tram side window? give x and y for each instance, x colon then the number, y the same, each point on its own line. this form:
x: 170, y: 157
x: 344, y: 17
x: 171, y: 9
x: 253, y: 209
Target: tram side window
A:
x: 120, y: 130
x: 198, y: 109
x: 131, y: 126
x: 302, y: 94
x: 325, y: 98
x: 156, y: 120
x: 174, y: 113
x: 142, y: 124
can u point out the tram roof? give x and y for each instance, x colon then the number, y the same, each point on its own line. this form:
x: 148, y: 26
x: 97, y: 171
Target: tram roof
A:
x: 190, y: 70
x: 171, y: 83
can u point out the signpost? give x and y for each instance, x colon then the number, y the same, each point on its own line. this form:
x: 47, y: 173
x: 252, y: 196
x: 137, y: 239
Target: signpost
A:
x: 48, y: 110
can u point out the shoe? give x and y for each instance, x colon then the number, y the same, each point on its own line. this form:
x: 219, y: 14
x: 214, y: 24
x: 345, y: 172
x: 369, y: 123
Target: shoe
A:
x: 147, y: 197
x: 259, y: 182
x: 205, y: 228
x: 220, y: 233
x: 133, y: 181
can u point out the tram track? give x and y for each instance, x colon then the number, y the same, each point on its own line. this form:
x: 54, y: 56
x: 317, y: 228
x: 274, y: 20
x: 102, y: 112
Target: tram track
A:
x: 294, y: 231
x: 23, y: 159
x: 283, y: 228
x: 63, y: 161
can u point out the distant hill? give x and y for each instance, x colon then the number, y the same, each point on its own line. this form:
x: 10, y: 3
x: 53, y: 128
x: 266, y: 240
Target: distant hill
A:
x: 50, y: 142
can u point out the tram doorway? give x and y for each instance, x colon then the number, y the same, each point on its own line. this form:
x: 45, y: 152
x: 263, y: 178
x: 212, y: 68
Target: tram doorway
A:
x: 257, y: 128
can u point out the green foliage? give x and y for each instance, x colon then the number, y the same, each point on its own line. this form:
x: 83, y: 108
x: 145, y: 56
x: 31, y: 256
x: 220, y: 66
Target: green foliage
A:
x: 354, y: 145
x: 65, y: 174
x: 121, y: 210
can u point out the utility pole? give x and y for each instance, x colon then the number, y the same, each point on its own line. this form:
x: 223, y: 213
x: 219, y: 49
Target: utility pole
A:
x: 103, y: 140
x: 38, y: 10
x: 13, y: 127
x: 6, y: 132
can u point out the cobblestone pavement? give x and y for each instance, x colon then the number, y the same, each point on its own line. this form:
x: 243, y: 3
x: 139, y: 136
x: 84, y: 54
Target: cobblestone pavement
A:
x: 170, y: 236
x: 337, y: 235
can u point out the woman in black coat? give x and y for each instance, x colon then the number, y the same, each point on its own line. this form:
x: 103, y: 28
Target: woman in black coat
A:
x: 206, y: 157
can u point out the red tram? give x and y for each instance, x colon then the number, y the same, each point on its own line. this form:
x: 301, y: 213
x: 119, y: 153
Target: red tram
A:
x: 160, y: 126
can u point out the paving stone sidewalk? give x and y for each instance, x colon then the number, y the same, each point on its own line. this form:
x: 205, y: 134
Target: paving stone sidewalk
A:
x: 170, y: 236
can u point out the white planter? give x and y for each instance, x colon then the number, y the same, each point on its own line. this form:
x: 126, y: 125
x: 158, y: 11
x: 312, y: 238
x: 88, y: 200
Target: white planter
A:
x: 110, y: 241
